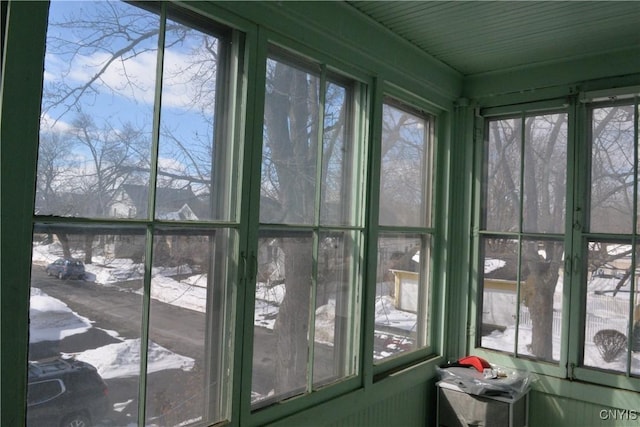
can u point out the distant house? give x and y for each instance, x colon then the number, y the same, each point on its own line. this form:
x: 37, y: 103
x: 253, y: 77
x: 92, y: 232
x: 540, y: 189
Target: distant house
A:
x: 129, y: 201
x: 132, y: 201
x: 173, y: 204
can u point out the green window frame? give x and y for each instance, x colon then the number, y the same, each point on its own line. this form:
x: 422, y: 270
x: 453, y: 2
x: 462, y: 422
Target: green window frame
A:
x: 607, y: 235
x: 310, y: 233
x: 138, y: 176
x: 523, y: 232
x: 228, y: 236
x: 594, y: 338
x: 406, y: 238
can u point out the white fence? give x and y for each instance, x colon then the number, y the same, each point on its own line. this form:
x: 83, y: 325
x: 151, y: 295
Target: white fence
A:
x: 525, y: 320
x: 603, y: 312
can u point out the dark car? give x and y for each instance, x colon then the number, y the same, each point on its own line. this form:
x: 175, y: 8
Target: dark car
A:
x: 65, y: 393
x: 64, y: 268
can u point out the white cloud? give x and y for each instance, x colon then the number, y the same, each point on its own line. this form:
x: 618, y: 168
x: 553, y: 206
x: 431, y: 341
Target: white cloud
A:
x: 134, y: 77
x: 168, y: 164
x: 50, y: 124
x: 181, y: 82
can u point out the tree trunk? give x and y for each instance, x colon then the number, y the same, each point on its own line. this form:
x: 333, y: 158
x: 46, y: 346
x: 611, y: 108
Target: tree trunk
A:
x: 292, y: 324
x: 541, y: 310
x: 541, y: 285
x: 292, y: 120
x: 88, y: 248
x: 64, y: 241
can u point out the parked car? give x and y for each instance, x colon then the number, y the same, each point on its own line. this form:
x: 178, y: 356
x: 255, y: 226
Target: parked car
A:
x: 64, y: 268
x: 65, y: 393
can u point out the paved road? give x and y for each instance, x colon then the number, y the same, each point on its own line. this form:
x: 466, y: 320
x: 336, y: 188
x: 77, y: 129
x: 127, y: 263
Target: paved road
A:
x: 119, y: 309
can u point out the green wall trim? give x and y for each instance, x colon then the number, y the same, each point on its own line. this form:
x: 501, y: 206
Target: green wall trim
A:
x: 346, y: 35
x: 545, y: 76
x: 19, y: 123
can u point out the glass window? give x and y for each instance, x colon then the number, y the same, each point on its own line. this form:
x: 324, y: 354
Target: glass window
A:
x: 130, y: 146
x: 612, y: 302
x: 612, y: 170
x: 306, y: 331
x: 405, y: 172
x: 44, y: 391
x: 403, y: 282
x: 522, y: 235
x: 609, y: 302
x: 524, y: 245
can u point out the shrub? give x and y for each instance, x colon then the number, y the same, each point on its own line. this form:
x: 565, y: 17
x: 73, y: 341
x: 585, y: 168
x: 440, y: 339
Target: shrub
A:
x: 610, y: 343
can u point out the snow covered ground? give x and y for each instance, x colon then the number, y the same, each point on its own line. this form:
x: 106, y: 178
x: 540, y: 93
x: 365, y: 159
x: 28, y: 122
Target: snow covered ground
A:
x: 51, y: 319
x: 604, y: 311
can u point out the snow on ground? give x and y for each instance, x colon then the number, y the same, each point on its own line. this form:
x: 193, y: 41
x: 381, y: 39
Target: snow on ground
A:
x: 604, y: 311
x: 491, y: 264
x: 49, y: 318
x: 188, y: 292
x: 52, y: 320
x: 123, y: 359
x: 388, y: 316
x: 191, y: 293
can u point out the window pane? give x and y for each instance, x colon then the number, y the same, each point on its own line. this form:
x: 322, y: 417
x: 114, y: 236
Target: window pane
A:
x: 532, y: 325
x: 499, y: 293
x: 612, y: 170
x: 283, y: 297
x: 41, y: 392
x: 290, y: 146
x: 193, y: 164
x: 502, y: 201
x: 336, y: 332
x: 306, y: 329
x: 338, y: 173
x: 85, y: 313
x: 402, y: 295
x: 540, y: 327
x: 405, y: 174
x: 97, y: 109
x: 608, y: 306
x: 545, y: 173
x: 190, y: 318
x: 100, y: 103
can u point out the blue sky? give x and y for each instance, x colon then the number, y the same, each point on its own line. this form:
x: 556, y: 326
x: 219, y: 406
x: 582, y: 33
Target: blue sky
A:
x: 124, y: 92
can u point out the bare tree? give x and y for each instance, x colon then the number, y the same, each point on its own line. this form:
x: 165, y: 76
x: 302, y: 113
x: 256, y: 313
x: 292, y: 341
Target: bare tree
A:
x: 291, y: 127
x: 544, y: 211
x: 100, y: 54
x: 54, y: 161
x: 543, y: 188
x: 113, y: 158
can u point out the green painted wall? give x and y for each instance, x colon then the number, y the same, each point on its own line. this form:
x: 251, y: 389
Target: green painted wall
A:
x: 412, y: 406
x: 552, y: 410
